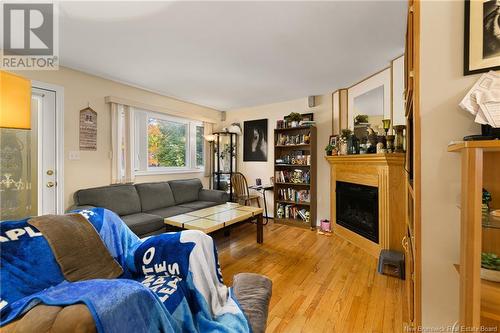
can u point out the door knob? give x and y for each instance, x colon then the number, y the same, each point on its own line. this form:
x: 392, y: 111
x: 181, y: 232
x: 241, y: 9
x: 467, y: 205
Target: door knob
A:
x: 50, y: 172
x: 51, y: 184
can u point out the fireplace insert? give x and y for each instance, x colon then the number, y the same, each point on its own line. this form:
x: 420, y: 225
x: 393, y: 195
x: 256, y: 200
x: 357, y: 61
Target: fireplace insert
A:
x: 357, y: 209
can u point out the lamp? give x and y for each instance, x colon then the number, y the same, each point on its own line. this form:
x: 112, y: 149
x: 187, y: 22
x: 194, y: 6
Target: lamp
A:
x: 386, y: 123
x: 209, y: 138
x: 15, y: 101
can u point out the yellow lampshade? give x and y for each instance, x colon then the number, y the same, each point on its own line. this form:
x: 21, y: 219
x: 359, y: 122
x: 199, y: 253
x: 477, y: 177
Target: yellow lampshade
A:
x: 15, y: 101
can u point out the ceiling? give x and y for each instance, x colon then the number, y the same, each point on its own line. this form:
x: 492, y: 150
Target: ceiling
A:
x: 232, y: 54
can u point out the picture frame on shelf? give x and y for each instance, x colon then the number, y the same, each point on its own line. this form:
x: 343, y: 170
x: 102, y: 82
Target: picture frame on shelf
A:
x: 481, y: 44
x: 333, y: 140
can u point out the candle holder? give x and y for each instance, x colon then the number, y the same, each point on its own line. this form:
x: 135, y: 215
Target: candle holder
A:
x: 386, y: 123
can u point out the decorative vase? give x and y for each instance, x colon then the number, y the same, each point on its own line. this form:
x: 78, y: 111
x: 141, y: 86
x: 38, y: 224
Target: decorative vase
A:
x: 390, y: 143
x: 343, y: 148
x: 490, y: 275
x: 399, y: 141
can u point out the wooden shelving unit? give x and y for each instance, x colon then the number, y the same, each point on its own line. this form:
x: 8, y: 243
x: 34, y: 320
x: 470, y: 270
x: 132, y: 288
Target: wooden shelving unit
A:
x: 412, y: 239
x: 479, y: 299
x: 281, y: 150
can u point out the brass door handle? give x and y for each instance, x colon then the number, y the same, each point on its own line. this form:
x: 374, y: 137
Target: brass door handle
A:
x: 51, y: 184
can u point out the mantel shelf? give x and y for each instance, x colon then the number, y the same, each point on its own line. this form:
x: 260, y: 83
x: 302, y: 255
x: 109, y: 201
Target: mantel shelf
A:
x: 392, y: 158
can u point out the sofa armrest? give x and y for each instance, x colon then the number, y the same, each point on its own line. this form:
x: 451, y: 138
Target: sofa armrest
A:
x: 253, y: 293
x: 75, y: 207
x: 213, y: 195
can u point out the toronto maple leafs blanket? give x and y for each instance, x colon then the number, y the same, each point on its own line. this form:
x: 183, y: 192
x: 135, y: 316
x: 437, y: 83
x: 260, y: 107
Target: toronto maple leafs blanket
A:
x: 170, y: 282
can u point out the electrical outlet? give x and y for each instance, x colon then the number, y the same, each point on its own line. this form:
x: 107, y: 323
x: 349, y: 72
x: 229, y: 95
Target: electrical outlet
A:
x: 74, y: 155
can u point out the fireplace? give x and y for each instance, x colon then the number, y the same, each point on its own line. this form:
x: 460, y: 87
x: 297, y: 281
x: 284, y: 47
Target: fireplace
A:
x: 357, y: 209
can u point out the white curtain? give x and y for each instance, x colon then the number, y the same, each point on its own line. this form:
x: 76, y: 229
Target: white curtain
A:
x: 208, y: 129
x: 122, y: 144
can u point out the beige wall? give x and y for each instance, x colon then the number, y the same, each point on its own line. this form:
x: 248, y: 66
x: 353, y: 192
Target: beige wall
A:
x: 442, y: 87
x: 265, y: 170
x: 94, y: 167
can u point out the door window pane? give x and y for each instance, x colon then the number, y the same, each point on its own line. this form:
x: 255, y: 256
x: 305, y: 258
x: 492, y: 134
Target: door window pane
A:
x: 167, y: 143
x: 18, y: 171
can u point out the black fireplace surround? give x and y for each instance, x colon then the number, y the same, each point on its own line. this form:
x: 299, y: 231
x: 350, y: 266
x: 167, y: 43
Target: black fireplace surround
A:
x: 357, y: 209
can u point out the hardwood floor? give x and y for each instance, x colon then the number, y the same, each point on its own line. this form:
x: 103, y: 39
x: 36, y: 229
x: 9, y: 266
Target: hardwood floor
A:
x: 320, y: 283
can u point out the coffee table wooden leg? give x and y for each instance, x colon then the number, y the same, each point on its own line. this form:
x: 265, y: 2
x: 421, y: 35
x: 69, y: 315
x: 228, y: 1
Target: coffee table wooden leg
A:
x: 260, y: 229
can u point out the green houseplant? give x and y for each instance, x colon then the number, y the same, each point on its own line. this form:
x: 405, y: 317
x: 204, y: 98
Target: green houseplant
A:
x: 294, y: 118
x: 329, y: 148
x: 361, y: 119
x: 490, y: 267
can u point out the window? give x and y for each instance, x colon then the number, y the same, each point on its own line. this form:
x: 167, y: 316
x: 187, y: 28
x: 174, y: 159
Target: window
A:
x: 200, y: 147
x: 167, y: 144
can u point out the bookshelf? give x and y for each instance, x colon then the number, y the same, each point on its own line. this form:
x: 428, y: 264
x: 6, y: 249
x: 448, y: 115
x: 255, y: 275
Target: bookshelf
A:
x: 479, y: 299
x: 295, y: 175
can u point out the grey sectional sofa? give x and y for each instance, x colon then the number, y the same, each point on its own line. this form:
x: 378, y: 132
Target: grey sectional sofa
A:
x: 144, y: 206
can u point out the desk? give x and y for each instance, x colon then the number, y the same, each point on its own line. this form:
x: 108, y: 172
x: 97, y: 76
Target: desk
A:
x: 262, y: 189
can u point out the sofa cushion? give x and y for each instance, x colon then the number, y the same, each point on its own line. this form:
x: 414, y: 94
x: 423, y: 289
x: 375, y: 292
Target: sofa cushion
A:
x: 198, y: 204
x: 170, y: 211
x: 121, y: 199
x: 49, y: 318
x: 155, y: 195
x: 142, y: 223
x: 185, y: 190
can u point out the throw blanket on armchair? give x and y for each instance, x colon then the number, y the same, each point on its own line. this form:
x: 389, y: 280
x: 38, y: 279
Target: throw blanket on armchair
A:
x: 170, y: 282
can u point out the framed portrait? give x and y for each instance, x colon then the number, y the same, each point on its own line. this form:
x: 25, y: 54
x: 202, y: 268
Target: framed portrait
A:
x: 481, y: 40
x: 333, y: 140
x: 255, y: 140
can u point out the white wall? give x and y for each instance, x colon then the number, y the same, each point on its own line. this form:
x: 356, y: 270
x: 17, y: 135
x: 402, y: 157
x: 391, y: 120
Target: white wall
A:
x: 272, y: 112
x: 442, y: 87
x: 80, y: 89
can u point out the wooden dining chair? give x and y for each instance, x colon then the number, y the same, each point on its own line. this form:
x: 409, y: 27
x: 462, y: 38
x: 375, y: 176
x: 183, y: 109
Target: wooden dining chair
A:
x: 240, y: 190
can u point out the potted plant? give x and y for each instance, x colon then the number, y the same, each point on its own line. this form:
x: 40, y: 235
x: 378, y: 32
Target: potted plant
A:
x: 294, y: 118
x: 361, y: 119
x: 345, y: 138
x: 490, y: 267
x: 329, y: 148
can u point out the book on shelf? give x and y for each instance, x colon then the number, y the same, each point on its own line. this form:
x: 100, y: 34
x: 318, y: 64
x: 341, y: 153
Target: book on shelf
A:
x: 292, y: 212
x: 297, y: 157
x: 291, y: 194
x: 293, y: 139
x: 296, y: 176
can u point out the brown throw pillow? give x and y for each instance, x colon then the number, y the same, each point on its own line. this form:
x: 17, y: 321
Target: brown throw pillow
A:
x: 77, y: 247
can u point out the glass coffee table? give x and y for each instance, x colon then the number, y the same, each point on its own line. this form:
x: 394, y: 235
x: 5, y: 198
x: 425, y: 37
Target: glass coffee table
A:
x: 217, y: 217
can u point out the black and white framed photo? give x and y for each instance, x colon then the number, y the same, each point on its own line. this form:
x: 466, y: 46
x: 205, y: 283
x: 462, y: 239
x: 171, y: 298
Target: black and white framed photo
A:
x: 482, y: 40
x: 255, y: 140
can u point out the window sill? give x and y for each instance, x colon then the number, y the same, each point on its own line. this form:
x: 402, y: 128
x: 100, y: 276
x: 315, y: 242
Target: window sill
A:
x: 167, y: 172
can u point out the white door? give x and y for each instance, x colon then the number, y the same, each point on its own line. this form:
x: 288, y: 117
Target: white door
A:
x: 31, y: 160
x: 44, y: 113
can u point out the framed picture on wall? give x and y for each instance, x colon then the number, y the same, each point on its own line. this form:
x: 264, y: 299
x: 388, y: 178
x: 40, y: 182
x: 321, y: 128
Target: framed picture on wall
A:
x: 255, y: 140
x: 482, y: 40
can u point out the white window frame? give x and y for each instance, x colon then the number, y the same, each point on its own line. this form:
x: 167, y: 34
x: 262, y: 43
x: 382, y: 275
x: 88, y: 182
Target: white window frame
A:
x: 141, y: 167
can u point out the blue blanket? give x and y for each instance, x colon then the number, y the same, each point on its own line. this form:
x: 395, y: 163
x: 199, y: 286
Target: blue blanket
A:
x: 170, y: 282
